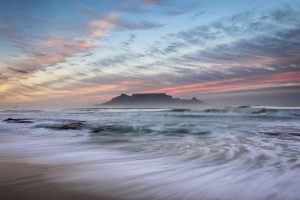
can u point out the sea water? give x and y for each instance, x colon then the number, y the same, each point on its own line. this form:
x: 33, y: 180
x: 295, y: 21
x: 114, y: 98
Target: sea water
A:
x: 230, y: 153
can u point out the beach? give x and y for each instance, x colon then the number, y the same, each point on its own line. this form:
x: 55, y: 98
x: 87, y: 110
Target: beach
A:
x: 25, y: 180
x: 233, y: 153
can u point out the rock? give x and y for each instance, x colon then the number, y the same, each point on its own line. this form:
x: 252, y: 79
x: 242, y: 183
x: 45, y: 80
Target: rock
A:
x: 20, y: 121
x: 67, y: 126
x: 263, y: 110
x: 97, y: 129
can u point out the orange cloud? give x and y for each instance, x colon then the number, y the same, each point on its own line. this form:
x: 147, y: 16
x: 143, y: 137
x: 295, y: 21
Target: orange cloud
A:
x: 97, y: 35
x: 121, y: 85
x: 63, y: 44
x: 93, y: 89
x: 81, y: 94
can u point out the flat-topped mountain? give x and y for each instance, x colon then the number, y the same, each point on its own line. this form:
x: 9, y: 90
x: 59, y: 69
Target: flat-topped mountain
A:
x: 150, y: 100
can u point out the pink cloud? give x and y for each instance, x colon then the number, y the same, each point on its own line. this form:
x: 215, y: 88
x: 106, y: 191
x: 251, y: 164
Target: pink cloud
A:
x: 53, y: 51
x: 97, y: 35
x: 82, y: 94
x: 241, y: 83
x: 99, y: 28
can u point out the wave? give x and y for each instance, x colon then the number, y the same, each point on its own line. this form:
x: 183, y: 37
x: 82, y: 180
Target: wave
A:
x: 256, y: 111
x: 179, y: 110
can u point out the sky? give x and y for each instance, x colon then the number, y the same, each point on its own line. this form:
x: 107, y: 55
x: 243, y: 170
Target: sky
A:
x: 74, y: 53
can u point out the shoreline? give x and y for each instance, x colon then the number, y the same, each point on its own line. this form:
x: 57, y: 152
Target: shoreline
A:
x: 28, y: 174
x: 21, y: 180
x: 150, y: 155
x: 27, y: 181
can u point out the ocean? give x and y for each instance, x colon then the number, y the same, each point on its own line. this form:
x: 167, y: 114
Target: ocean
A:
x: 230, y: 153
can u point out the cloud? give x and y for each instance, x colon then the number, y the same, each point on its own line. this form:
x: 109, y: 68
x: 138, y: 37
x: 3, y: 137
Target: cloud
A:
x: 96, y: 35
x: 113, y: 21
x: 152, y: 2
x: 195, y: 16
x: 242, y: 25
x: 243, y: 39
x: 3, y: 77
x: 117, y: 60
x: 51, y: 52
x: 147, y: 2
x: 262, y: 50
x: 139, y: 25
x: 180, y: 9
x: 129, y: 41
x: 232, y: 84
x: 139, y: 6
x: 26, y: 94
x: 88, y: 10
x: 18, y: 70
x: 106, y: 23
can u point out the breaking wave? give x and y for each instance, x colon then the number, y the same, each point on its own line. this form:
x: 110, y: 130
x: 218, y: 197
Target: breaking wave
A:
x: 257, y: 111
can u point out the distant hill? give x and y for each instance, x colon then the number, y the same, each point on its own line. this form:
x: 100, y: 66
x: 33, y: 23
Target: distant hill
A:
x: 150, y: 100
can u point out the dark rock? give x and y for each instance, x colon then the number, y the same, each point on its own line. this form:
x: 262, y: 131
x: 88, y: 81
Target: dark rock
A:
x: 20, y: 121
x: 244, y: 107
x: 67, y: 126
x: 271, y: 133
x: 263, y: 110
x: 97, y: 129
x: 294, y: 133
x: 214, y: 110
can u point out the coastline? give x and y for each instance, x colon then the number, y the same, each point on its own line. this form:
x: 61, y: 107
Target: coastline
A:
x: 27, y: 180
x: 150, y: 154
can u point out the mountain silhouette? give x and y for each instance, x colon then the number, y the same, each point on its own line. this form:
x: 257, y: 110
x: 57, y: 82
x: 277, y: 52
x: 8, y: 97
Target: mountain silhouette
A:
x: 150, y: 100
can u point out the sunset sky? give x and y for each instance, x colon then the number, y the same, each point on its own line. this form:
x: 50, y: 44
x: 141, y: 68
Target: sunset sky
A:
x: 69, y: 53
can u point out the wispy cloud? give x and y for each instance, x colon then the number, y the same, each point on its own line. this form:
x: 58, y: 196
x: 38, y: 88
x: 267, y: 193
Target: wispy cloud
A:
x: 51, y: 52
x: 84, y: 9
x: 231, y: 84
x: 113, y: 21
x: 196, y: 15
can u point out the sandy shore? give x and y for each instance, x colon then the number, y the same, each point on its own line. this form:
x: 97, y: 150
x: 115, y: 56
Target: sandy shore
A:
x: 27, y: 181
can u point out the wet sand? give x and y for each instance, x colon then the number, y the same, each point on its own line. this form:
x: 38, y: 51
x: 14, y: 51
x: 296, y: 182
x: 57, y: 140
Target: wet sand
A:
x: 27, y: 181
